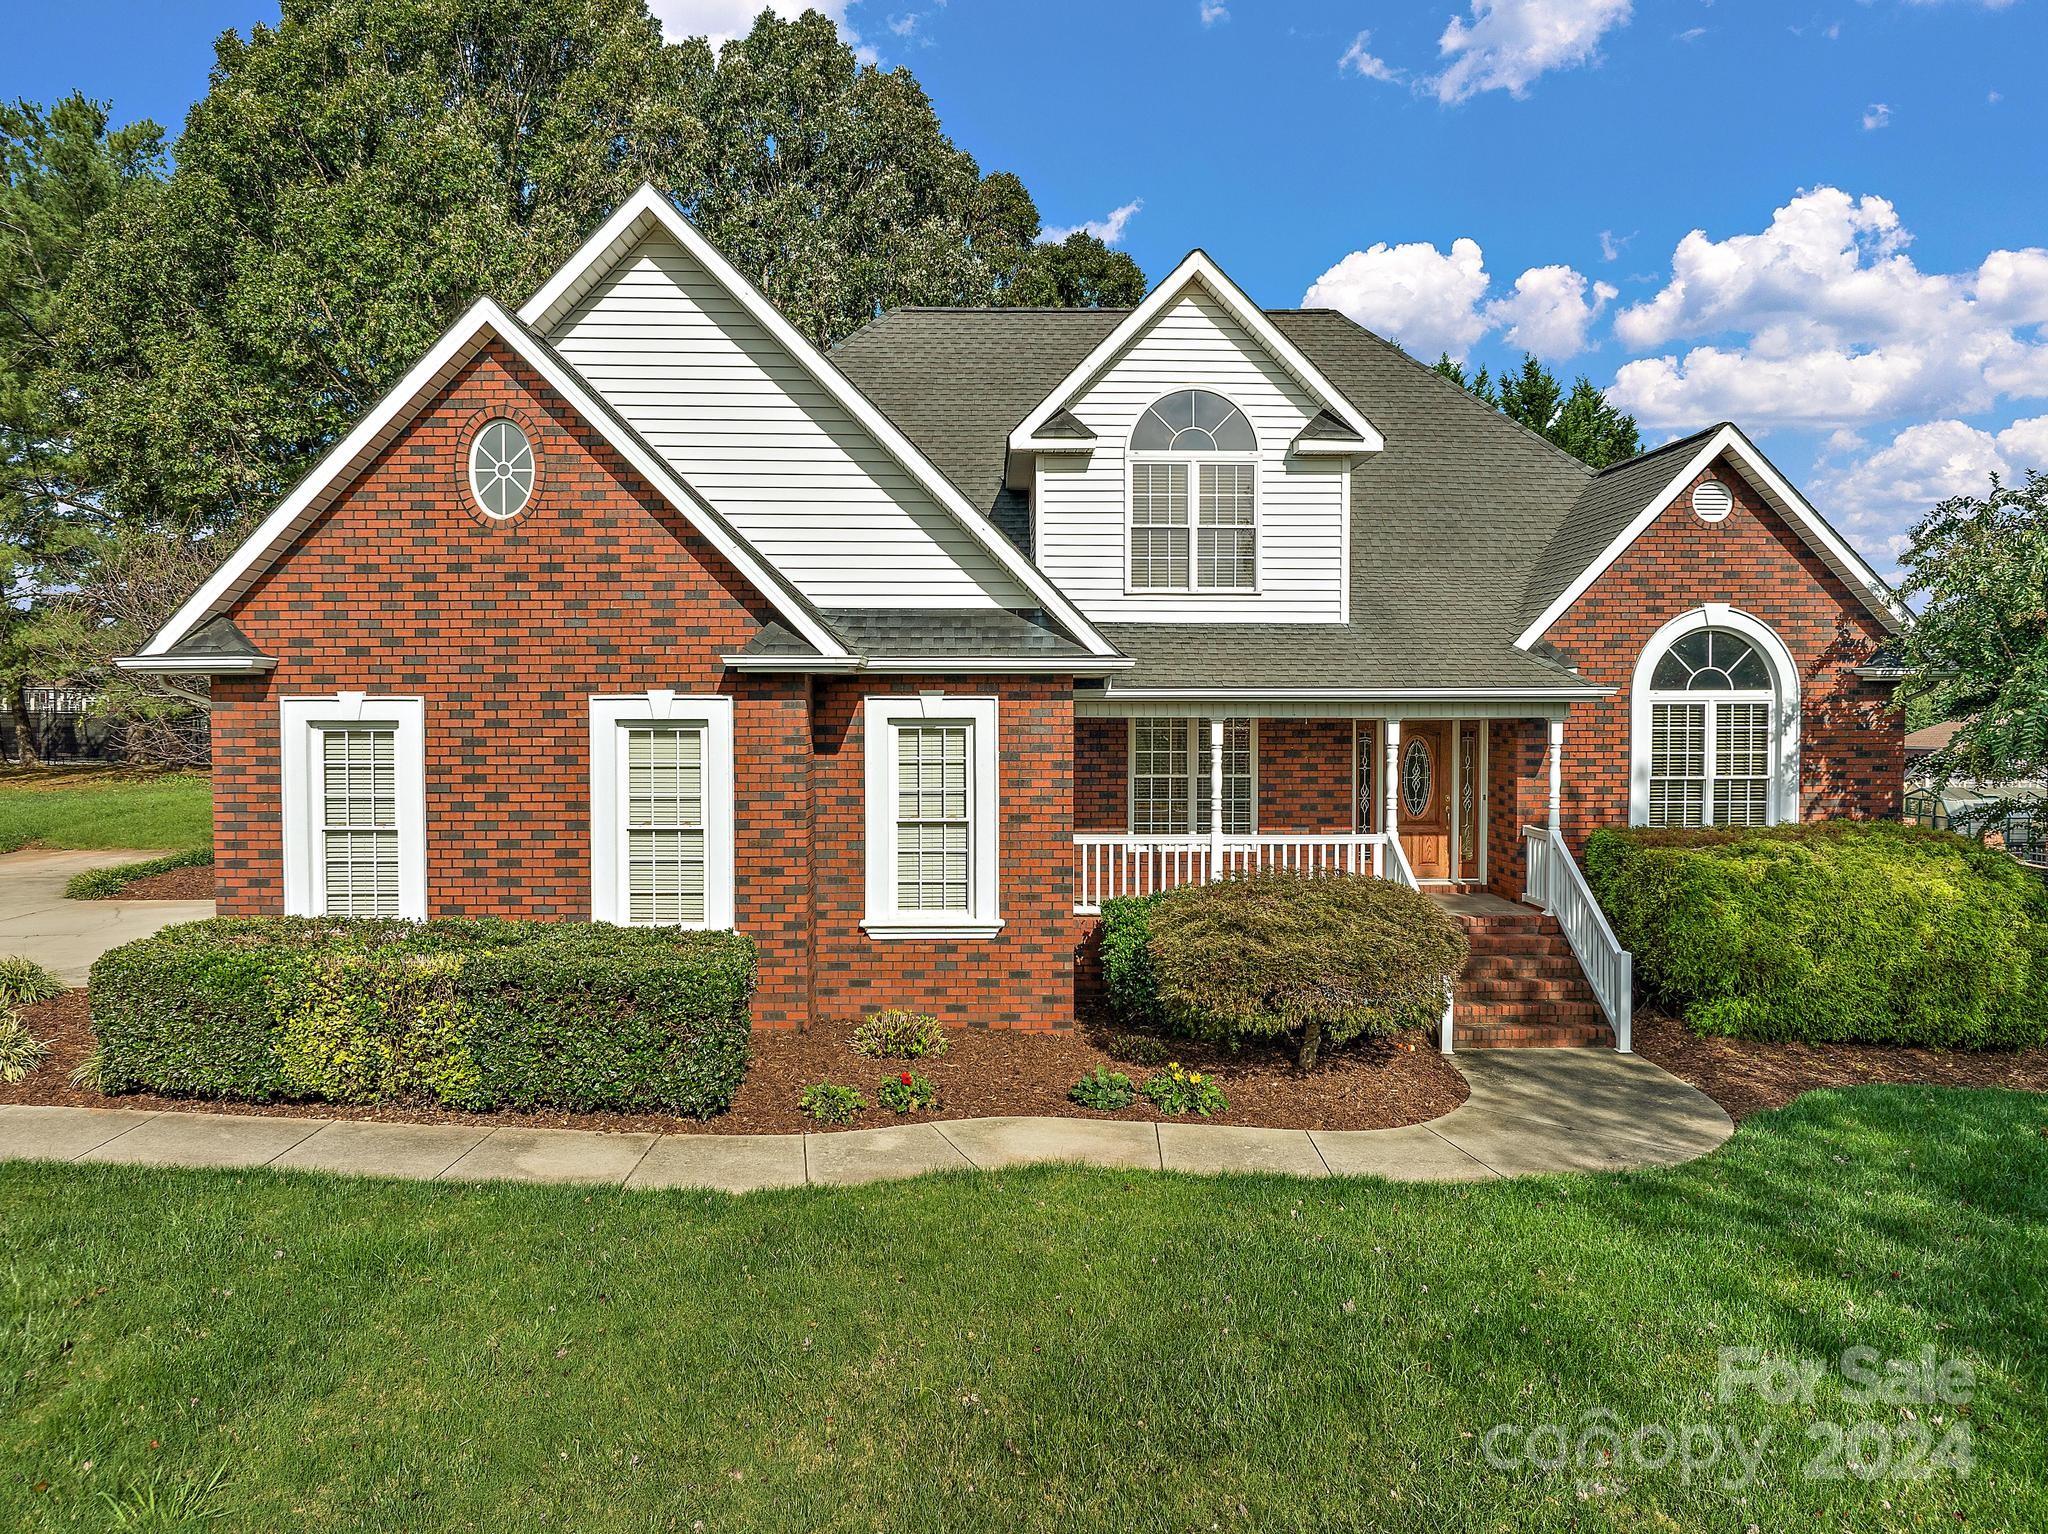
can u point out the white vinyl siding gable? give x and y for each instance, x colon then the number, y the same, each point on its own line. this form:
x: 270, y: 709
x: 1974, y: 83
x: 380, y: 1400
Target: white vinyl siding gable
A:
x: 1083, y: 503
x: 747, y: 426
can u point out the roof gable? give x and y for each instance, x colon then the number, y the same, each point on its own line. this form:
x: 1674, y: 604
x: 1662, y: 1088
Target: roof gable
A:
x: 1197, y: 271
x: 484, y: 322
x: 649, y: 213
x: 1623, y: 501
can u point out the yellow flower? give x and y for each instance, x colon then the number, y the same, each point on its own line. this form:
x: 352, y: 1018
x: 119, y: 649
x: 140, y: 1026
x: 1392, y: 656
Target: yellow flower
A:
x: 1196, y: 1079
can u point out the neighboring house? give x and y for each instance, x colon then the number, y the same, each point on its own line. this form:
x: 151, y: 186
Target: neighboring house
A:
x: 2005, y: 815
x: 634, y: 606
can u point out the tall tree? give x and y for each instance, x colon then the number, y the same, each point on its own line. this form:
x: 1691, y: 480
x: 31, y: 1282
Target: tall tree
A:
x: 1979, y: 647
x: 1582, y: 422
x: 59, y: 168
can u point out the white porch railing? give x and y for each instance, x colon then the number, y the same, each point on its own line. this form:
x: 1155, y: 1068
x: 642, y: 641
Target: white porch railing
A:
x: 1108, y: 866
x: 1556, y: 883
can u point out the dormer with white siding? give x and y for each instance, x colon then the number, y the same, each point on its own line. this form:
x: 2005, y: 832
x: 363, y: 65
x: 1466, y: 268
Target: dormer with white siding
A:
x: 1195, y: 468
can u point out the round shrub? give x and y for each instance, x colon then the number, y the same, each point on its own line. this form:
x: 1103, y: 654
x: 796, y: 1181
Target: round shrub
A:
x: 1832, y: 932
x: 1308, y: 960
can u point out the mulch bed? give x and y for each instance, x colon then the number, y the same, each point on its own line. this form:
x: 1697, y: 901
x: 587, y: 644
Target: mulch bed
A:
x: 1745, y: 1076
x: 984, y: 1072
x: 171, y: 884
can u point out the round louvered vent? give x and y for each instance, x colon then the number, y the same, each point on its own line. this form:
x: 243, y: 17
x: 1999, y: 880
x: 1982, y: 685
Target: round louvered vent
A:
x: 1712, y: 501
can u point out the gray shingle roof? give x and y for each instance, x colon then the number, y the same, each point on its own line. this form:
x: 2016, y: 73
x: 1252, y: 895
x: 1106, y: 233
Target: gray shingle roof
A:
x: 1449, y: 520
x: 217, y: 637
x: 934, y: 632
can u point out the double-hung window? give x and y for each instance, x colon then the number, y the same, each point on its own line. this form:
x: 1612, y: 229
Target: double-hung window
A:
x: 1172, y: 785
x: 1193, y: 496
x: 1713, y: 728
x: 353, y: 771
x: 931, y: 817
x: 661, y: 810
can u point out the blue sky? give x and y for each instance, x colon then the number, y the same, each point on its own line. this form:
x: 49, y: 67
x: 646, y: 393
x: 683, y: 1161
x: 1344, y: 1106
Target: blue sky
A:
x: 1866, y: 292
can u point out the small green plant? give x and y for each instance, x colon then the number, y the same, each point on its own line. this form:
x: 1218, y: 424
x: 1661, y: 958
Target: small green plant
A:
x: 908, y: 1092
x: 829, y: 1103
x: 1104, y: 1090
x: 23, y: 983
x: 105, y: 883
x: 86, y: 1075
x: 20, y: 1050
x: 1138, y: 1049
x: 899, y: 1035
x: 1178, y: 1091
x: 163, y: 1503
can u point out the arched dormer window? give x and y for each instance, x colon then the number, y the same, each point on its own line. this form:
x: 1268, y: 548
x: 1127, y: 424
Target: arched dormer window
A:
x: 1716, y: 732
x: 1193, y: 496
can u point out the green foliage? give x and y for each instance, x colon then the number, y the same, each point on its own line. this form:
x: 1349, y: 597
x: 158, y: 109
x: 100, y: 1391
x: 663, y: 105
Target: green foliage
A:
x: 105, y: 883
x: 1308, y: 960
x: 1979, y: 647
x: 899, y: 1035
x: 89, y: 1074
x: 908, y: 1092
x: 479, y: 1013
x: 1178, y: 1091
x: 1104, y: 1090
x: 1580, y: 421
x: 20, y: 1050
x: 86, y: 808
x: 830, y: 1103
x: 1840, y: 931
x: 1137, y: 1048
x: 23, y: 982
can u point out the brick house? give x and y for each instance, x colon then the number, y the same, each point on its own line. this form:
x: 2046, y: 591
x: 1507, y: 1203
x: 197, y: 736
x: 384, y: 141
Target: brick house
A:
x: 636, y: 607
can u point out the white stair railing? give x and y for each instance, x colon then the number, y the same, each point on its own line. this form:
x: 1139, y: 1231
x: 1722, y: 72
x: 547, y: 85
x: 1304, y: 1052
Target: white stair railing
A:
x: 1555, y: 882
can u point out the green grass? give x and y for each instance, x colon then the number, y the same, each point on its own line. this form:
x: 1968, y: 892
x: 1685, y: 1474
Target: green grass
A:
x: 104, y: 883
x: 96, y: 807
x: 1052, y: 1349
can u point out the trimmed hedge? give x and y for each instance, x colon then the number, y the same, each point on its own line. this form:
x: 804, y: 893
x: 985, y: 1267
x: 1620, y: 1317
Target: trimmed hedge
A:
x: 1312, y: 960
x: 470, y: 1014
x: 1831, y: 932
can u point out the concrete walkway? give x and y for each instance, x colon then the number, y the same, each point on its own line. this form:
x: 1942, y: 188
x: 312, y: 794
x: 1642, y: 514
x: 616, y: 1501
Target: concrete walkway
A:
x: 1536, y: 1110
x: 67, y: 935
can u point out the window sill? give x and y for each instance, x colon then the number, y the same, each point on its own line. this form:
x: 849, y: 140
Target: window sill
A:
x: 1191, y: 591
x: 898, y: 929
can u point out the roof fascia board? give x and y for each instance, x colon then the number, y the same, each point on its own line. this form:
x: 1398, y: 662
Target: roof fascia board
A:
x: 619, y: 233
x: 1197, y: 267
x: 196, y: 665
x: 1359, y: 694
x: 484, y: 319
x: 1784, y: 499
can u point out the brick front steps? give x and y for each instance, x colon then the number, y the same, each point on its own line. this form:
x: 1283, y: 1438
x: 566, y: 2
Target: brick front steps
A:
x: 1521, y: 987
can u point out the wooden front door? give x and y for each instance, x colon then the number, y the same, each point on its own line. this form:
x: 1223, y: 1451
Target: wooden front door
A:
x: 1423, y: 771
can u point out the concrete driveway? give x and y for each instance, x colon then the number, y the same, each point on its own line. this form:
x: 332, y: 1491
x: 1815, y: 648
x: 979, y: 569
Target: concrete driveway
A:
x: 67, y: 935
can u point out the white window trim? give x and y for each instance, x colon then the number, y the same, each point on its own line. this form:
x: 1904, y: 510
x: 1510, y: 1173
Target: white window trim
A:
x: 608, y: 901
x: 1783, y: 804
x: 1199, y: 768
x: 983, y: 918
x: 1193, y: 462
x: 299, y: 722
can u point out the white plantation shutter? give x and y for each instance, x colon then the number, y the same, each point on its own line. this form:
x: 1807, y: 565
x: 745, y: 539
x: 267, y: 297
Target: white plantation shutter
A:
x: 664, y: 824
x: 1678, y: 764
x: 1226, y: 550
x: 933, y: 817
x: 358, y: 808
x: 1159, y: 524
x: 1170, y: 784
x: 1742, y: 764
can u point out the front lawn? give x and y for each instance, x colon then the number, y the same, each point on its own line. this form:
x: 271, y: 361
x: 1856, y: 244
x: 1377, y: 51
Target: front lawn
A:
x: 86, y: 807
x: 1053, y: 1349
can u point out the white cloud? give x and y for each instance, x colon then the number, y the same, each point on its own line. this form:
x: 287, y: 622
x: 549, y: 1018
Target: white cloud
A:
x: 1692, y: 34
x: 1213, y: 11
x: 1365, y: 65
x: 1612, y: 244
x: 723, y: 20
x: 1823, y: 319
x: 1509, y: 43
x: 1414, y: 294
x: 1876, y: 115
x: 1992, y: 98
x: 1876, y: 497
x: 906, y: 24
x: 1109, y: 229
x: 1548, y: 312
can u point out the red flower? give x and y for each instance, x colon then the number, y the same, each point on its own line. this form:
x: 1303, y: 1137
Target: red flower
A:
x: 905, y: 1078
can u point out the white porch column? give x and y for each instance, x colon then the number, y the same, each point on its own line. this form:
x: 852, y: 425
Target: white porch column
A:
x: 1216, y: 798
x: 1556, y: 774
x: 1389, y: 779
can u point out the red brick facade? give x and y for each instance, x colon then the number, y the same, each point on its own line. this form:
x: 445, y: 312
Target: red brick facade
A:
x: 506, y: 629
